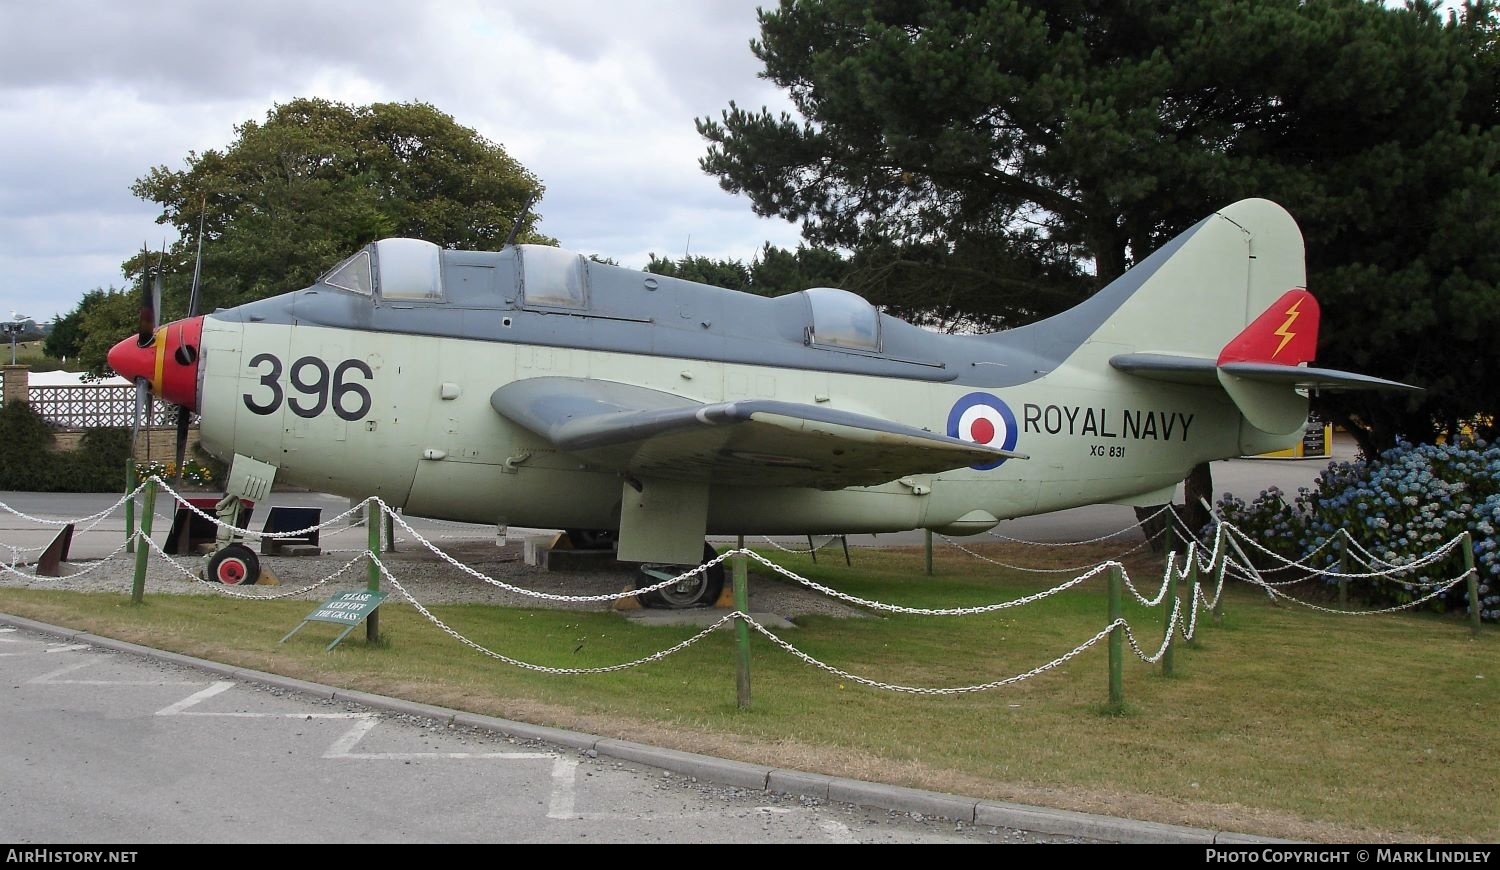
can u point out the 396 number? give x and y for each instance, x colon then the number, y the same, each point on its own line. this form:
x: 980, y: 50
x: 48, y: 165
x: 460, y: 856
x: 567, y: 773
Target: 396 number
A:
x: 310, y: 377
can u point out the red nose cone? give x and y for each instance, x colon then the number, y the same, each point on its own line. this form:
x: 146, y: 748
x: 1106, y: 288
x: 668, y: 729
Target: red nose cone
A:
x: 169, y: 363
x: 132, y: 361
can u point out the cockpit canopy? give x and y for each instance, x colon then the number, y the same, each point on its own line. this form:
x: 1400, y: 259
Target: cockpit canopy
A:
x: 553, y: 280
x: 843, y: 319
x: 394, y: 268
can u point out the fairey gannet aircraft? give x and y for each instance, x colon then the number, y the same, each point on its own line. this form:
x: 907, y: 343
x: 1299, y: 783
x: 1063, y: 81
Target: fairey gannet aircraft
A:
x: 532, y: 386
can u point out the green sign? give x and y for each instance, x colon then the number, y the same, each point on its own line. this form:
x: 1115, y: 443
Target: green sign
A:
x: 344, y: 608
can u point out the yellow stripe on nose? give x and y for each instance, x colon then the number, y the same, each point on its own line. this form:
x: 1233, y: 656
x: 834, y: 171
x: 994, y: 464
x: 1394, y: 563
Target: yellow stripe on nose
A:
x: 160, y: 341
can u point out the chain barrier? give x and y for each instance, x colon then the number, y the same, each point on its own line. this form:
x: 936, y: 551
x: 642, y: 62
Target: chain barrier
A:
x: 95, y: 520
x: 480, y: 648
x: 235, y: 593
x: 1166, y: 640
x: 95, y: 516
x: 831, y: 539
x: 1276, y: 593
x: 984, y: 558
x: 920, y: 690
x: 1137, y: 525
x: 1217, y: 561
x: 548, y: 596
x: 9, y: 569
x: 187, y: 505
x: 724, y: 620
x: 920, y: 611
x: 1431, y: 558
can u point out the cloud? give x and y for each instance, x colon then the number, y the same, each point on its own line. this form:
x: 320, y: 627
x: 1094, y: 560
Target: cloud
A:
x: 597, y: 99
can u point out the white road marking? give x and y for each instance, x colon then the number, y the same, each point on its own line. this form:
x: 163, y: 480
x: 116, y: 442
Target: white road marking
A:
x: 51, y: 677
x: 564, y: 770
x: 564, y: 788
x: 69, y: 648
x: 197, y: 697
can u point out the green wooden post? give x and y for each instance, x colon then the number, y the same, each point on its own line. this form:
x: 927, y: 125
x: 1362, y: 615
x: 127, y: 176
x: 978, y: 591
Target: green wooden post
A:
x: 130, y: 483
x: 1167, y: 663
x: 1116, y: 638
x: 929, y: 551
x: 741, y: 629
x: 1473, y: 581
x: 148, y: 509
x: 1344, y: 570
x: 390, y: 532
x: 372, y: 523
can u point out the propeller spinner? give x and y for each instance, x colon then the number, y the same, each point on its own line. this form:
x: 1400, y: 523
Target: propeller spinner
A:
x: 168, y: 362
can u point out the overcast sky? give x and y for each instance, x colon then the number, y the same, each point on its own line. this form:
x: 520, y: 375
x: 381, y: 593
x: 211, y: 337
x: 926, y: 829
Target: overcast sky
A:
x: 596, y: 97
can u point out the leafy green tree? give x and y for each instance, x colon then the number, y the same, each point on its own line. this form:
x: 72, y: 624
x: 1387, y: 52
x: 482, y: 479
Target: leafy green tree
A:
x: 114, y: 316
x: 977, y: 153
x: 773, y: 272
x: 317, y: 180
x: 776, y: 271
x: 66, y: 337
x: 732, y: 274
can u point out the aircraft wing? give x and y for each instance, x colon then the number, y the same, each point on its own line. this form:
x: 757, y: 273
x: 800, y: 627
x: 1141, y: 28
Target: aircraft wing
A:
x: 756, y: 441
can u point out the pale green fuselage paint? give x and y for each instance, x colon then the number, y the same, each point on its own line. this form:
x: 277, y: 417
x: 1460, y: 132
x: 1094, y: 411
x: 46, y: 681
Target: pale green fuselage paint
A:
x: 1092, y: 434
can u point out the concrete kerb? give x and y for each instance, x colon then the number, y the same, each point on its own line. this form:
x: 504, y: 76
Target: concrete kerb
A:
x: 724, y: 771
x: 1086, y: 825
x: 906, y: 800
x: 795, y: 782
x: 720, y: 770
x: 556, y: 736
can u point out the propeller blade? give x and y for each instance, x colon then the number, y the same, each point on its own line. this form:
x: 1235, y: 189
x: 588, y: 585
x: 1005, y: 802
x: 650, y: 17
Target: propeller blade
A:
x: 142, y: 396
x: 197, y: 264
x: 156, y: 289
x: 182, y: 436
x: 147, y: 326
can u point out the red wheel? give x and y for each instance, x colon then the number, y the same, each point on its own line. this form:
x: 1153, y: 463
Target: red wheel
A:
x: 235, y: 565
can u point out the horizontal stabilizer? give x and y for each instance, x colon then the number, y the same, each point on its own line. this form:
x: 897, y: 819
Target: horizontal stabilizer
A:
x: 1267, y: 394
x: 1200, y: 371
x: 765, y: 442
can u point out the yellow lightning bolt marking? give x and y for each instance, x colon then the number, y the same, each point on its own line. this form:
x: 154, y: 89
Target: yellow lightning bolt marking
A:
x: 1284, y: 330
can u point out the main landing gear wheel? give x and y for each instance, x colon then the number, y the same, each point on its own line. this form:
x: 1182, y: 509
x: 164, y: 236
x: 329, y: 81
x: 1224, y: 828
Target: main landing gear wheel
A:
x: 592, y: 539
x: 235, y: 565
x: 700, y: 590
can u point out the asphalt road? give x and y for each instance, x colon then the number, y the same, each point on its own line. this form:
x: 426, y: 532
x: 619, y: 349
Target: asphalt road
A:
x: 104, y: 747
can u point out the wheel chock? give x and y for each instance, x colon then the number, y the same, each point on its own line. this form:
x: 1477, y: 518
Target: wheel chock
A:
x: 629, y: 602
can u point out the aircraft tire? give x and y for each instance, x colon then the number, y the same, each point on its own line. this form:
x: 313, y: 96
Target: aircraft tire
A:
x: 701, y: 590
x: 593, y: 539
x: 235, y: 565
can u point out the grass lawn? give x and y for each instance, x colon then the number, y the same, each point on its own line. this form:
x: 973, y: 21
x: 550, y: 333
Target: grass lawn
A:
x: 1281, y: 721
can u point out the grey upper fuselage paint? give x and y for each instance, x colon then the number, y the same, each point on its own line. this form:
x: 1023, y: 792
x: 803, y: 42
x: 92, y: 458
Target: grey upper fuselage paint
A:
x: 634, y: 312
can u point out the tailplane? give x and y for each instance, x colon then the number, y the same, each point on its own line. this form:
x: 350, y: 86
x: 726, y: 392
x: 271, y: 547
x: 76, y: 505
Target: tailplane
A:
x: 1225, y: 305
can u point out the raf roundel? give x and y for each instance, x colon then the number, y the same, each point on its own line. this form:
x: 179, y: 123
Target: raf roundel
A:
x: 981, y: 418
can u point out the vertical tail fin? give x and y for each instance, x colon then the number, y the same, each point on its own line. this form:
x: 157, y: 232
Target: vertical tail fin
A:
x: 1285, y: 333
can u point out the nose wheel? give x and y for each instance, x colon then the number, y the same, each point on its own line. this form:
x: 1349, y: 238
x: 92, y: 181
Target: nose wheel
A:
x: 234, y: 565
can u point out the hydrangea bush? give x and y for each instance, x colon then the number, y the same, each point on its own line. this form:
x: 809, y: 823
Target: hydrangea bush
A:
x: 1400, y: 507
